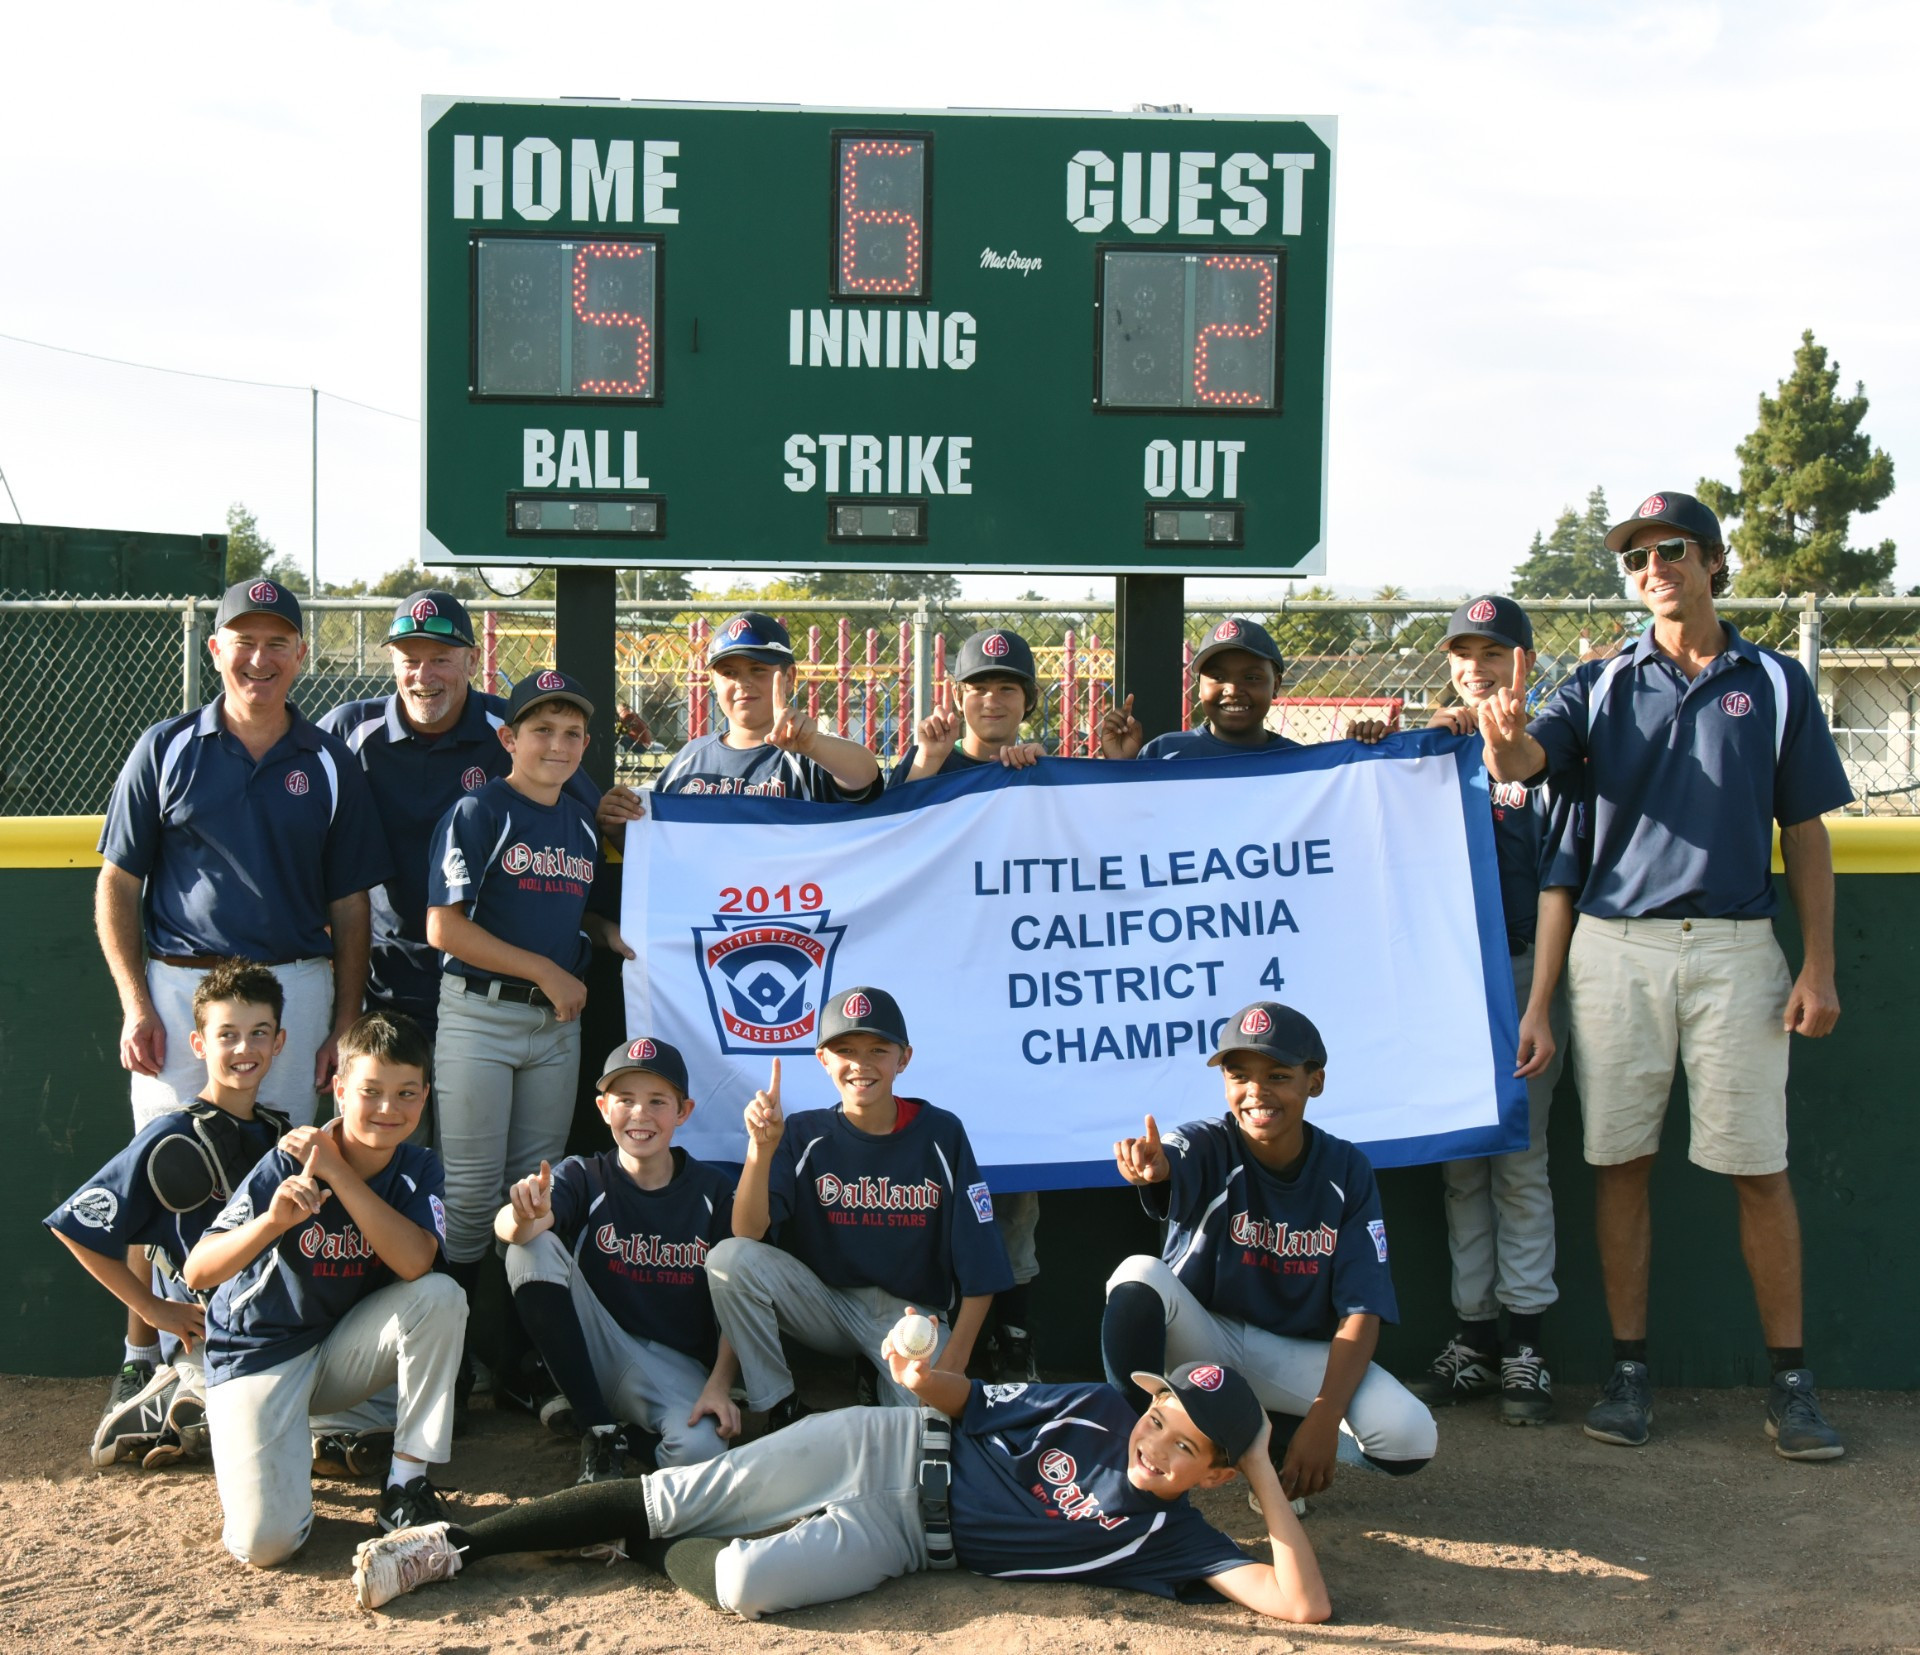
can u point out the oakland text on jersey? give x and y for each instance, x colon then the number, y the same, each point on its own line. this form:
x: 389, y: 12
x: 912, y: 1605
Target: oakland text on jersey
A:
x: 652, y: 1251
x: 1059, y: 1488
x: 1283, y: 1241
x: 521, y: 858
x: 318, y: 1242
x: 771, y: 789
x: 868, y: 1193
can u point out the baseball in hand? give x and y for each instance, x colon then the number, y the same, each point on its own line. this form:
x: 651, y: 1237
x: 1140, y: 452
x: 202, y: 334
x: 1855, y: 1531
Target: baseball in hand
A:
x: 914, y: 1337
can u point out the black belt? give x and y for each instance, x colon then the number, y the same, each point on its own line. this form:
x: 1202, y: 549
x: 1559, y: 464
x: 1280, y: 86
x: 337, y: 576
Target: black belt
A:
x: 498, y: 988
x: 936, y: 1485
x: 206, y: 962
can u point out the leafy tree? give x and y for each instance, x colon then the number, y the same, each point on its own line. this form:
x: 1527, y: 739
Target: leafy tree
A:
x: 1573, y: 561
x: 883, y: 586
x: 251, y: 553
x: 410, y: 577
x: 1386, y: 623
x: 1333, y: 633
x: 1805, y: 469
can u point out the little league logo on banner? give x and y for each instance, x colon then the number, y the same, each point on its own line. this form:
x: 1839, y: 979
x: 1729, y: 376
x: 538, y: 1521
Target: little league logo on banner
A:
x: 1067, y: 942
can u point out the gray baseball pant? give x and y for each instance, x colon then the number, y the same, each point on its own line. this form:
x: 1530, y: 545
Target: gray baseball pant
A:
x: 1018, y: 1216
x: 1384, y: 1417
x: 1500, y: 1207
x: 407, y: 1333
x: 852, y: 1478
x: 760, y: 1292
x: 645, y: 1382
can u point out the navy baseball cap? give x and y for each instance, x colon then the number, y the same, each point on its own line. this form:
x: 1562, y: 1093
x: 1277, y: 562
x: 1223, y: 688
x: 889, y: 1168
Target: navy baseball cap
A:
x: 863, y: 1011
x: 1675, y: 510
x: 1274, y: 1031
x: 649, y: 1056
x: 258, y: 596
x: 758, y: 637
x: 1216, y: 1399
x: 546, y: 686
x: 431, y: 613
x: 986, y: 654
x: 1500, y: 619
x: 1237, y: 632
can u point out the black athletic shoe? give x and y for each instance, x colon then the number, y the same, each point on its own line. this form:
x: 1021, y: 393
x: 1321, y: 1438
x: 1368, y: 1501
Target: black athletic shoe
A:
x: 1458, y: 1374
x: 1625, y: 1409
x: 1526, y: 1388
x: 410, y: 1506
x: 529, y: 1390
x: 1013, y: 1356
x: 602, y: 1457
x: 784, y: 1412
x: 136, y: 1413
x: 352, y: 1453
x: 556, y: 1414
x: 1794, y: 1421
x: 692, y: 1565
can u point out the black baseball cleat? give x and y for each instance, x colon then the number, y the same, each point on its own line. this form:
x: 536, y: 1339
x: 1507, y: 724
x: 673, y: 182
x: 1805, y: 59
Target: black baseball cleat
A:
x: 187, y: 1420
x: 1458, y: 1374
x: 1794, y: 1421
x: 136, y: 1413
x: 1013, y: 1356
x: 786, y: 1411
x: 1526, y: 1388
x: 602, y: 1456
x: 352, y: 1453
x: 409, y: 1506
x: 693, y: 1566
x: 1624, y: 1413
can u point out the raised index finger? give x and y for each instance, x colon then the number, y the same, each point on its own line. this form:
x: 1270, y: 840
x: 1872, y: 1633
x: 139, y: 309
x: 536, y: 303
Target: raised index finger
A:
x: 313, y: 1155
x: 1519, y: 671
x: 773, y: 1085
x: 1153, y: 1134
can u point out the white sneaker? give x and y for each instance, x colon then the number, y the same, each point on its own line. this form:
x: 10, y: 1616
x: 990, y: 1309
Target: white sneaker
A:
x: 391, y: 1565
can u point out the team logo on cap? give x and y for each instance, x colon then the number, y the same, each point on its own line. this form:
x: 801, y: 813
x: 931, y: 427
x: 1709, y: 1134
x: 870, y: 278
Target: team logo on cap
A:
x: 263, y: 591
x: 550, y: 681
x: 424, y: 608
x: 737, y: 628
x: 1058, y: 1467
x: 996, y: 645
x: 1652, y: 506
x: 1226, y: 629
x: 473, y: 776
x: 643, y: 1049
x: 1482, y: 612
x: 1736, y: 703
x: 1208, y: 1378
x: 766, y: 978
x: 297, y: 782
x: 1256, y: 1022
x: 857, y: 1005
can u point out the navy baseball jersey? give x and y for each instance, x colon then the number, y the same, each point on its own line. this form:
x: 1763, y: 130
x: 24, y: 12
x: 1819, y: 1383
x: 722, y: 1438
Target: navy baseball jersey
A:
x: 1291, y: 1255
x: 415, y: 780
x: 958, y: 759
x: 644, y: 1252
x: 523, y: 871
x: 708, y: 765
x: 1528, y: 821
x: 1204, y: 744
x: 1685, y: 778
x: 907, y: 1212
x: 292, y: 1296
x: 116, y: 1208
x: 238, y: 857
x: 1040, y: 1492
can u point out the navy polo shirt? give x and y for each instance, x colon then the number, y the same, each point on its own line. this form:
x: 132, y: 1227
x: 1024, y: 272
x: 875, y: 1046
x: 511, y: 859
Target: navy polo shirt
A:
x: 1204, y: 744
x: 242, y: 858
x: 1686, y: 779
x: 416, y: 779
x: 708, y: 765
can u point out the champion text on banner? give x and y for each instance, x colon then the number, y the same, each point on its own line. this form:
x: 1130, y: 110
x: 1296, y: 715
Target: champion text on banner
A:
x: 1066, y: 941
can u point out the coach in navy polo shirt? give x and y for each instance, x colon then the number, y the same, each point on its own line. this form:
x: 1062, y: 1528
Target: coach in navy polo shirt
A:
x: 240, y: 829
x: 434, y: 739
x: 1696, y: 741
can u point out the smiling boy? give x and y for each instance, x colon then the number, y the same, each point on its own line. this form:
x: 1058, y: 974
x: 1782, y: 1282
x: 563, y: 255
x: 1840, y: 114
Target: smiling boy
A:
x: 1238, y: 671
x: 606, y: 1258
x: 324, y: 1295
x: 1017, y: 1482
x: 1275, y: 1260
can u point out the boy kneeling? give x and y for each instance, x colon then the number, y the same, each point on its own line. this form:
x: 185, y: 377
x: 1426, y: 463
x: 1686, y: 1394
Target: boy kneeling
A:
x: 326, y: 1296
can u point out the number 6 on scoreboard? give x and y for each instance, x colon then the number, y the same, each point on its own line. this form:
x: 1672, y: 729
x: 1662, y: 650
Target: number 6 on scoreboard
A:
x: 879, y: 215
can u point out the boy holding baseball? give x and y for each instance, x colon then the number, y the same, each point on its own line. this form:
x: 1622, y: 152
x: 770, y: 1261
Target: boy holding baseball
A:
x: 1275, y: 1261
x: 606, y: 1257
x: 324, y: 1295
x: 879, y: 1204
x: 160, y: 1193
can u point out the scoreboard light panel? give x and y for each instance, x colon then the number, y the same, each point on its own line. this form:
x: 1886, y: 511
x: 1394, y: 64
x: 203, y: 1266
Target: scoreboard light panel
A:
x: 789, y: 338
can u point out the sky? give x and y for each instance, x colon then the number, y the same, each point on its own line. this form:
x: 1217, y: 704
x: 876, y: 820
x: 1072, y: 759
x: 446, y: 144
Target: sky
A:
x: 1573, y: 243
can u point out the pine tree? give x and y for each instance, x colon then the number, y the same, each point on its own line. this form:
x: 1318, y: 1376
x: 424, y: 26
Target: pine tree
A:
x: 1573, y: 561
x: 1805, y: 470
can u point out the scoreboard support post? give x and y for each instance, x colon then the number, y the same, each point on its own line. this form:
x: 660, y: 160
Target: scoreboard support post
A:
x: 583, y: 648
x: 1149, y: 626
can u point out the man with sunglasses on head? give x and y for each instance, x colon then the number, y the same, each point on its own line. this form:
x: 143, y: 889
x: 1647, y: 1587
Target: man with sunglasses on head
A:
x: 1695, y: 741
x: 434, y: 739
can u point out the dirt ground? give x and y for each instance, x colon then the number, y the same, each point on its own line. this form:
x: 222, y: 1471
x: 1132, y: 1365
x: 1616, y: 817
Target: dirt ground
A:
x: 1537, y: 1541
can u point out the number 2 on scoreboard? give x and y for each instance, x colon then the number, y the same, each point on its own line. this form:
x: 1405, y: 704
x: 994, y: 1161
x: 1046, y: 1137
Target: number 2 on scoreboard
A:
x: 757, y: 899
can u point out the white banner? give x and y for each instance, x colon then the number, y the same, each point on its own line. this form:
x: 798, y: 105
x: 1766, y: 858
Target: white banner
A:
x: 1065, y: 942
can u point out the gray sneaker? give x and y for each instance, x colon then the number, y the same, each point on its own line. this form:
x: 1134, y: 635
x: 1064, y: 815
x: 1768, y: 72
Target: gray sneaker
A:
x: 1794, y: 1421
x: 1625, y: 1408
x: 1526, y: 1388
x: 1458, y: 1374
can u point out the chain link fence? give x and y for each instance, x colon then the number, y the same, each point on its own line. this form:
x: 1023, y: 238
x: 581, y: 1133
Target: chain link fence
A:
x: 82, y: 678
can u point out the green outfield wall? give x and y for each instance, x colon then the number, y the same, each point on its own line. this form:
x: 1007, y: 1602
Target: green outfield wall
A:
x: 1855, y: 1132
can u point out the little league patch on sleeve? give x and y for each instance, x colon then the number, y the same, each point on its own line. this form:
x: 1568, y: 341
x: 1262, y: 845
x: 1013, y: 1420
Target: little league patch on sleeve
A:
x: 440, y: 1220
x: 982, y: 1199
x: 96, y: 1208
x: 1378, y: 1230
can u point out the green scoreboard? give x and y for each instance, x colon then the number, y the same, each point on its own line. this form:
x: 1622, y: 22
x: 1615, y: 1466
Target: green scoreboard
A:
x: 783, y: 337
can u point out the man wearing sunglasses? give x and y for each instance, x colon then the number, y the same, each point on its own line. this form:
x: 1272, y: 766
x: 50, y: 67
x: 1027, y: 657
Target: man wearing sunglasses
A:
x: 1695, y: 742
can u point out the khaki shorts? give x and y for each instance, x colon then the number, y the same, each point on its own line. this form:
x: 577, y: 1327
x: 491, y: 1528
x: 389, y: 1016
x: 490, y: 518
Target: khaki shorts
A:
x: 1709, y: 993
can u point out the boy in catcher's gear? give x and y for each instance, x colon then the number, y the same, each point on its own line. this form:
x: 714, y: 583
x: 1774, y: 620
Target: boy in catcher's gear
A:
x: 1018, y: 1482
x: 607, y: 1256
x: 1275, y: 1259
x: 879, y: 1204
x: 325, y: 1295
x: 160, y: 1193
